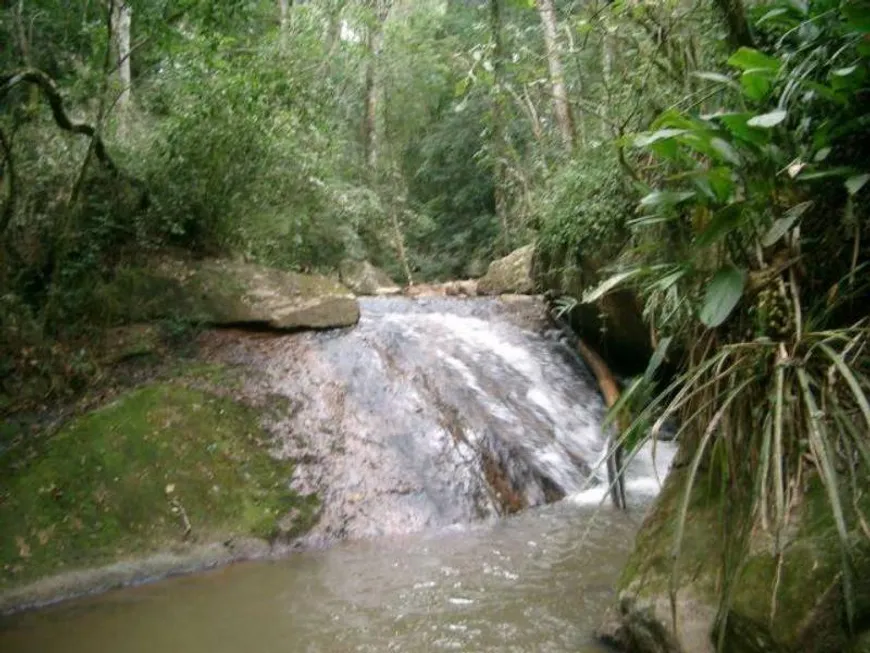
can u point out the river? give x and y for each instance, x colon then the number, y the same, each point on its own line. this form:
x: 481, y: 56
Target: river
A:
x: 538, y: 581
x: 456, y: 448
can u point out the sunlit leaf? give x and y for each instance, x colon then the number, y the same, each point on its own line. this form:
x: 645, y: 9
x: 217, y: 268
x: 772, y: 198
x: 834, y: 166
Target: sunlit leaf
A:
x: 767, y: 120
x: 781, y: 226
x: 609, y: 284
x: 752, y: 59
x: 822, y: 154
x: 724, y: 148
x: 665, y: 198
x: 648, y: 139
x: 856, y: 183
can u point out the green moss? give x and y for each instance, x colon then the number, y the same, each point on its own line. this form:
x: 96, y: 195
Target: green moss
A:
x: 117, y: 482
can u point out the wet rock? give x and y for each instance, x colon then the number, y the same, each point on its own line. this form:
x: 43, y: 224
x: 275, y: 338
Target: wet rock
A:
x: 226, y: 292
x: 432, y: 412
x: 511, y: 274
x: 363, y: 278
x: 810, y: 609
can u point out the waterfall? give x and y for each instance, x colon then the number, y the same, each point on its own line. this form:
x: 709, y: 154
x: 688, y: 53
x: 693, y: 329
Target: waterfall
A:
x: 436, y: 412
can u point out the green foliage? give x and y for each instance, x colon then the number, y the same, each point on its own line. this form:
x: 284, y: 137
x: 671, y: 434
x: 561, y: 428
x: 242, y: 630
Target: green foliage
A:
x: 583, y: 211
x: 747, y: 251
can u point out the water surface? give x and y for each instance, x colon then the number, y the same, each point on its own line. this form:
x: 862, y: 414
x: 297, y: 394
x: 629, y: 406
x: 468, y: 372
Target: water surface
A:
x: 539, y: 581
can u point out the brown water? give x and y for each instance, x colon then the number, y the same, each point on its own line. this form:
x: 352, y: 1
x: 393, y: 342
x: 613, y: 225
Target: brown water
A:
x: 539, y: 581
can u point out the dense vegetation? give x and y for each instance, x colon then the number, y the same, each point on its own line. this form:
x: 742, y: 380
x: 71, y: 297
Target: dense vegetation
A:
x: 710, y: 157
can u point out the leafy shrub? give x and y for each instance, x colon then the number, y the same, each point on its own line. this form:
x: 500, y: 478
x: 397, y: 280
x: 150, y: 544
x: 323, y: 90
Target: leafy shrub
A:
x: 582, y: 213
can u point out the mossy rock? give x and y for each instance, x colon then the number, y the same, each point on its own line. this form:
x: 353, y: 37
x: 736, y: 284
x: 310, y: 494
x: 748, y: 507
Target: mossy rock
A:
x: 225, y: 292
x: 810, y: 612
x: 511, y: 274
x: 126, y: 480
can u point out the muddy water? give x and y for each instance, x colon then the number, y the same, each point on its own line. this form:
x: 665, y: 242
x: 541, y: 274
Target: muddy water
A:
x: 538, y: 581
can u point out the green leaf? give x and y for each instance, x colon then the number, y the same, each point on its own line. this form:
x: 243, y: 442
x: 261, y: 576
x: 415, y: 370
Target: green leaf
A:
x: 724, y: 222
x: 768, y: 120
x: 822, y: 154
x: 716, y: 77
x: 752, y: 59
x: 665, y: 198
x: 783, y: 224
x: 843, y: 72
x: 841, y: 171
x: 756, y: 84
x: 609, y: 284
x: 773, y: 13
x: 723, y: 292
x: 725, y: 149
x: 856, y: 183
x: 657, y: 358
x: 648, y: 139
x: 737, y: 124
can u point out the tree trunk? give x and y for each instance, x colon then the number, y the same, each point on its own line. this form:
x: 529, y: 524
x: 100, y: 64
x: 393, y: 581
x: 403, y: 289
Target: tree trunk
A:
x: 283, y: 13
x: 562, y: 107
x: 739, y: 33
x: 374, y: 41
x: 123, y: 20
x: 498, y: 118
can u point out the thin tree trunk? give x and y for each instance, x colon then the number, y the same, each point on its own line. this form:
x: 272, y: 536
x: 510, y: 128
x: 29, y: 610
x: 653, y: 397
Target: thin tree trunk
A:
x: 283, y: 13
x: 370, y: 108
x: 734, y: 13
x: 561, y: 105
x: 498, y: 118
x: 123, y: 24
x: 374, y: 41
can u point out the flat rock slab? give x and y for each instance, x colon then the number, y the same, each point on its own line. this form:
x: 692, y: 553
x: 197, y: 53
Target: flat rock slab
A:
x: 223, y: 292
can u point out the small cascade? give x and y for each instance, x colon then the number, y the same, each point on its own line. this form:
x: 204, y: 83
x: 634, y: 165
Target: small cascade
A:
x: 434, y: 412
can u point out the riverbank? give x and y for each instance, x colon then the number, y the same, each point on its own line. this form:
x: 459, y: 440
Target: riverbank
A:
x: 172, y: 476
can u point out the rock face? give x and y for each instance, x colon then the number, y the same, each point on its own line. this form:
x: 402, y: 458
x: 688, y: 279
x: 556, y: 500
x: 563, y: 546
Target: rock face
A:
x: 228, y: 293
x: 511, y: 274
x: 810, y: 614
x: 363, y: 278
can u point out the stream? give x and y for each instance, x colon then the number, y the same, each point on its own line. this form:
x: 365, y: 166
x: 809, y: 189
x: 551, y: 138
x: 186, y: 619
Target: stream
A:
x: 456, y: 447
x: 538, y: 581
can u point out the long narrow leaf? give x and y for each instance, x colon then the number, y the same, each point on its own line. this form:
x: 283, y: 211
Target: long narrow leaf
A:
x: 828, y: 475
x: 851, y: 381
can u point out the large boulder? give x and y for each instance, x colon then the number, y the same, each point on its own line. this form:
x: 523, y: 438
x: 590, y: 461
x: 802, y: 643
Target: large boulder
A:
x: 222, y: 292
x: 510, y: 274
x: 363, y: 278
x: 809, y: 614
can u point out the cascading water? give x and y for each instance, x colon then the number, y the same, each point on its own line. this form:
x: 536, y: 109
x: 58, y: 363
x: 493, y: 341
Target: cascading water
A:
x: 428, y: 415
x: 433, y: 412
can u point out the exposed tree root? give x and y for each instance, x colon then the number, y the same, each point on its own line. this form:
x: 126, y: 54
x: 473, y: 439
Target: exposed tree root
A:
x: 610, y: 390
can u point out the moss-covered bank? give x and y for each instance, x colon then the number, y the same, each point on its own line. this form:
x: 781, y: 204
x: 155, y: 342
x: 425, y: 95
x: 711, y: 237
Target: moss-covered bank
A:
x: 792, y: 603
x: 161, y: 468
